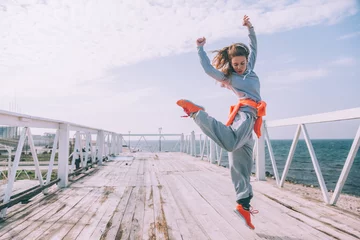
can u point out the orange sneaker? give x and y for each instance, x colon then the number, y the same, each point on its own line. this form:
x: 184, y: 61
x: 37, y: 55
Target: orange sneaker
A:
x: 245, y: 215
x: 189, y: 107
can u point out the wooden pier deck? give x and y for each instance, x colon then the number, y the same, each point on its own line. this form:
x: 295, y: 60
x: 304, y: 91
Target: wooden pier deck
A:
x: 171, y: 196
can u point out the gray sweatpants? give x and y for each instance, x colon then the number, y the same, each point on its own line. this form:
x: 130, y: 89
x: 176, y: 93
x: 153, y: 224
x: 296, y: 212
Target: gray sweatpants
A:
x: 237, y: 140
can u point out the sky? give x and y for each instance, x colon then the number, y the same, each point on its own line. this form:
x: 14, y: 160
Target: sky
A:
x: 122, y: 65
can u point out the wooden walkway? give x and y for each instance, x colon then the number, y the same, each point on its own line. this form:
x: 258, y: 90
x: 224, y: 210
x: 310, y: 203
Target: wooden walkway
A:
x: 171, y: 196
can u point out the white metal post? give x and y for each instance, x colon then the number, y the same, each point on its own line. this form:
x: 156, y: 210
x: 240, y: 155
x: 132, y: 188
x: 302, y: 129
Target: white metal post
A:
x: 93, y: 152
x: 200, y: 145
x: 188, y: 144
x: 52, y: 159
x: 79, y: 139
x: 194, y: 147
x: 316, y: 165
x: 193, y: 144
x: 219, y: 159
x: 11, y: 180
x: 182, y: 143
x: 207, y: 148
x: 34, y: 155
x: 107, y: 141
x: 100, y: 135
x: 260, y: 157
x: 290, y: 156
x: 120, y: 143
x: 63, y: 165
x: 272, y: 157
x: 212, y: 151
x: 203, y: 148
x: 76, y: 154
x: 116, y: 145
x: 86, y: 149
x: 111, y: 151
x: 347, y: 166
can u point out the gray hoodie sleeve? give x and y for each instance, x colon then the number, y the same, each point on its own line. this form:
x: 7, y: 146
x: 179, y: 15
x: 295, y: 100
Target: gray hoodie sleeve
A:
x: 253, y: 48
x: 208, y: 68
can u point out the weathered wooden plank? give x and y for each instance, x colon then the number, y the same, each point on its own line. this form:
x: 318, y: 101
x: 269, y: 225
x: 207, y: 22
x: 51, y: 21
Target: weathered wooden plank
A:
x: 36, y: 211
x: 169, y: 209
x: 115, y: 220
x: 149, y: 222
x: 56, y: 230
x: 114, y: 198
x: 24, y: 211
x: 136, y: 232
x: 123, y: 232
x: 40, y: 223
x: 181, y: 198
x: 91, y: 225
x: 161, y: 227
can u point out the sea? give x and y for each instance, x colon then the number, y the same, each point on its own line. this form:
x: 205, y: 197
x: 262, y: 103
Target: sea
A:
x: 331, y: 154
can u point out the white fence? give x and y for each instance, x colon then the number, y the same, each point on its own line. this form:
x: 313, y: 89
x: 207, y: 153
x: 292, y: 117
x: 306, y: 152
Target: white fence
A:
x: 301, y: 123
x: 214, y: 153
x: 107, y: 142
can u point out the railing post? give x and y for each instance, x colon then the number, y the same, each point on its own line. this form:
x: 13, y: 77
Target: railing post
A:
x: 120, y: 142
x: 107, y: 145
x: 212, y: 151
x: 193, y: 144
x: 87, y: 143
x: 290, y: 156
x: 113, y: 143
x: 347, y: 167
x: 182, y: 143
x: 116, y: 147
x: 100, y: 136
x: 187, y: 144
x: 15, y: 165
x: 52, y: 159
x: 63, y: 165
x: 260, y: 157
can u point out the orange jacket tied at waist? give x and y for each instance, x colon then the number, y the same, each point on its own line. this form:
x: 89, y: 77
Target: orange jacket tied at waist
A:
x: 260, y: 106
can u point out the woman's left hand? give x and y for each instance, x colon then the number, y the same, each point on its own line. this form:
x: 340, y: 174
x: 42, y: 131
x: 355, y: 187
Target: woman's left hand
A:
x: 247, y: 22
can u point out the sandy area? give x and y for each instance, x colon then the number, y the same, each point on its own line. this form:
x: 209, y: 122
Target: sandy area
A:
x: 346, y: 202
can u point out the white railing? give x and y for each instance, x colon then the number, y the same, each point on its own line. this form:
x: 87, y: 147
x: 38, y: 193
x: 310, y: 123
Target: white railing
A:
x: 207, y: 148
x: 210, y: 150
x: 196, y: 145
x: 107, y: 142
x: 160, y: 139
x: 301, y: 123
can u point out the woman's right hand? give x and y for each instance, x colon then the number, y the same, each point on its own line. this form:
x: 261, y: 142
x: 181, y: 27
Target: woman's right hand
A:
x: 201, y: 41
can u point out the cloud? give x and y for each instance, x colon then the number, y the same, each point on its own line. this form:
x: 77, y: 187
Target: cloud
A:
x: 345, y: 61
x: 350, y: 35
x: 55, y: 50
x: 293, y: 76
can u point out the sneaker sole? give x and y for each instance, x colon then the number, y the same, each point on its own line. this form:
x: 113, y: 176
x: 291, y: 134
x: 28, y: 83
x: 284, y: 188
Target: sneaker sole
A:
x: 183, y: 102
x: 242, y: 218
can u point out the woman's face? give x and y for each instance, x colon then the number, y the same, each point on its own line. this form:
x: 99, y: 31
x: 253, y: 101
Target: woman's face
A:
x: 239, y: 64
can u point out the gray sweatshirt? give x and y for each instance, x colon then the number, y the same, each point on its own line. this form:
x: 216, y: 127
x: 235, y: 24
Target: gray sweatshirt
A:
x: 246, y: 85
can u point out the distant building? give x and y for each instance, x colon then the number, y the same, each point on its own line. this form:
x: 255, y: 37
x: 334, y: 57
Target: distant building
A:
x: 9, y: 132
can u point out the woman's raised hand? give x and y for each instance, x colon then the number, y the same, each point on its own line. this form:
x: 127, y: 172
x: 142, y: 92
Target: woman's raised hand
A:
x: 201, y: 41
x: 247, y: 22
